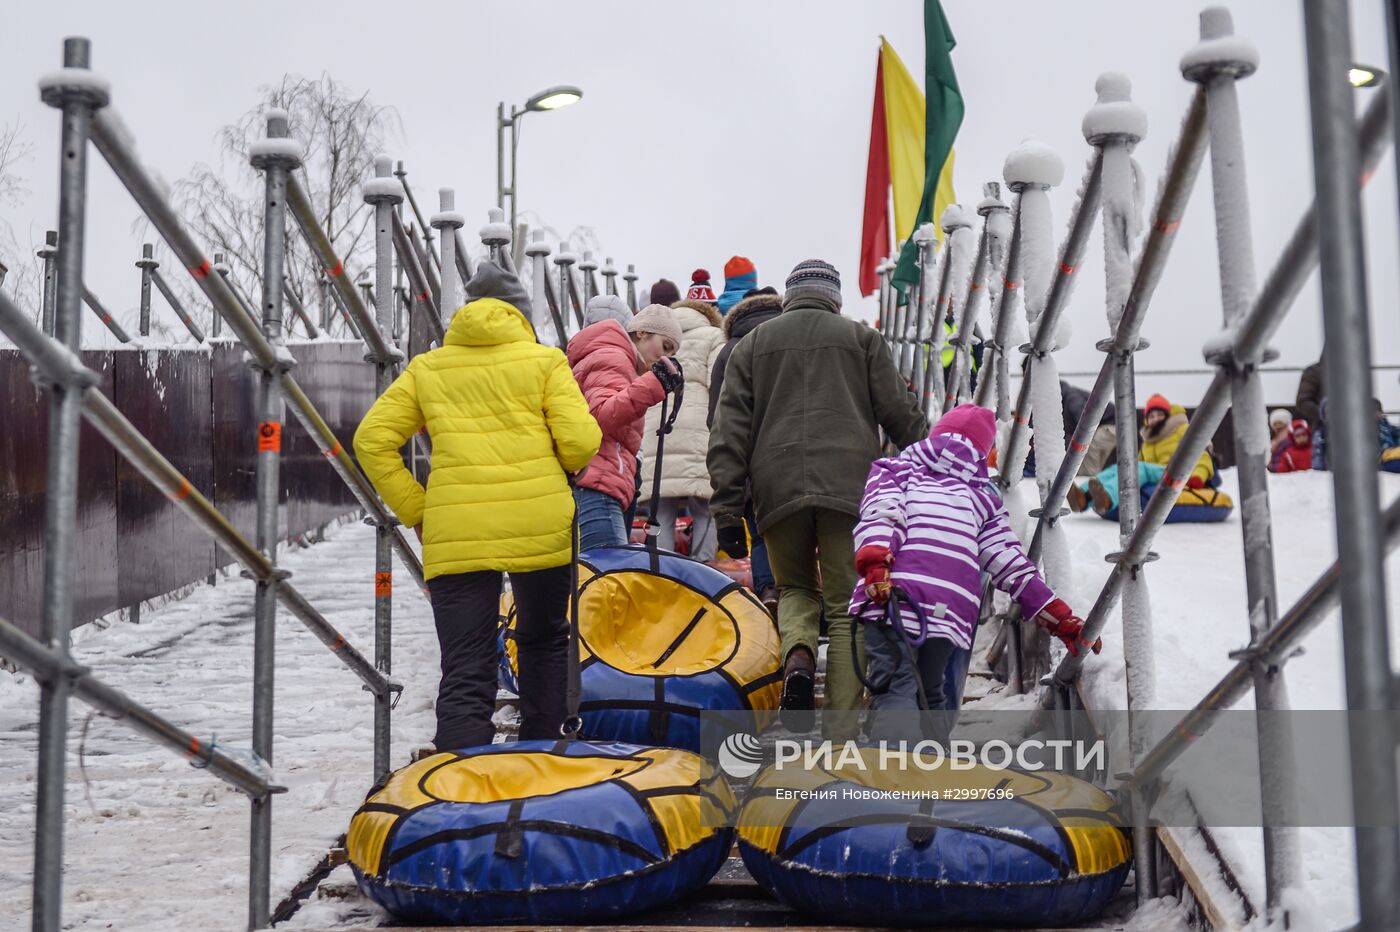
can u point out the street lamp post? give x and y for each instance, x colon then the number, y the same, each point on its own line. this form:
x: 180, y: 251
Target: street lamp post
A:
x: 552, y: 98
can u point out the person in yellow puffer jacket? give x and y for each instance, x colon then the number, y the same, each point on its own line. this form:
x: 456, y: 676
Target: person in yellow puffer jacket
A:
x: 1164, y: 424
x: 508, y: 425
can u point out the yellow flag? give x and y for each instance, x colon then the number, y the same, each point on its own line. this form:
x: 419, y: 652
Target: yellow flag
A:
x: 904, y: 130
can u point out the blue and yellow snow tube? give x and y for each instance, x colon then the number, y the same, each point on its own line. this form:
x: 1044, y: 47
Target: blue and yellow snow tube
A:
x: 662, y: 646
x: 1193, y: 506
x: 541, y: 832
x: 1390, y: 460
x: 996, y: 847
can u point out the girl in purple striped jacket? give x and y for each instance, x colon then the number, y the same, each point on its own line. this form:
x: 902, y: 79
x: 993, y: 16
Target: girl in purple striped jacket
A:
x: 931, y: 524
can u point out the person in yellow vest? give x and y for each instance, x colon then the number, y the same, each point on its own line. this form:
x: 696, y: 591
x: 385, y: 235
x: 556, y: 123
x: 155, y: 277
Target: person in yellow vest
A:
x: 508, y: 425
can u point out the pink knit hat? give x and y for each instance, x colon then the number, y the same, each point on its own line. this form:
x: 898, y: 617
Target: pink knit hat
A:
x: 971, y: 421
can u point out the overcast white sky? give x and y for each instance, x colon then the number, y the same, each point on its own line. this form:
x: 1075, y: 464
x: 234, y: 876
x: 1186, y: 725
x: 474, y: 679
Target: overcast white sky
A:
x: 710, y: 128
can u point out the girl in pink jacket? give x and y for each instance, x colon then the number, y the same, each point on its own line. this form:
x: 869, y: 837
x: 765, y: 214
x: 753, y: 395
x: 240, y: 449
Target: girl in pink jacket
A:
x: 623, y: 371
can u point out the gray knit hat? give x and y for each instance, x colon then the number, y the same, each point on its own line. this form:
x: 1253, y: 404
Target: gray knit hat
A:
x: 492, y: 281
x: 656, y: 318
x: 813, y: 278
x: 607, y: 307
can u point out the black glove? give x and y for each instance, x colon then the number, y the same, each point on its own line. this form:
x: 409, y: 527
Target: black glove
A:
x: 668, y: 373
x: 732, y: 541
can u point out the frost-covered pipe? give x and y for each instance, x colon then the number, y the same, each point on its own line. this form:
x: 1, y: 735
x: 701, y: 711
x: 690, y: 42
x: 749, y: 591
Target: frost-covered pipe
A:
x: 1031, y: 169
x: 447, y: 222
x: 932, y: 384
x: 921, y: 297
x: 1115, y: 124
x: 1183, y: 165
x: 460, y: 254
x: 996, y: 226
x: 1216, y: 63
x: 996, y: 373
x: 958, y: 259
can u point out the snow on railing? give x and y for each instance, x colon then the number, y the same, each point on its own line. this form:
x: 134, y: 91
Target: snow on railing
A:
x: 1345, y: 151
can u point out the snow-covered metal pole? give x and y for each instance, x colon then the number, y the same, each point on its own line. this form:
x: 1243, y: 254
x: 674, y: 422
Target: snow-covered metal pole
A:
x: 77, y: 92
x: 464, y: 266
x: 495, y: 236
x: 961, y: 258
x: 630, y: 277
x: 1115, y: 125
x: 1216, y: 63
x: 1031, y: 170
x: 447, y: 222
x: 542, y: 288
x: 46, y: 252
x: 996, y: 226
x: 146, y: 264
x: 275, y: 156
x: 920, y: 295
x: 384, y: 194
x: 588, y: 267
x: 568, y: 294
x: 932, y: 384
x: 996, y: 373
x: 609, y: 273
x: 1370, y: 681
x: 424, y: 230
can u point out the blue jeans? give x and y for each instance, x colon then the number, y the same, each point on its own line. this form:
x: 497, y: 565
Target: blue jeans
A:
x: 758, y: 554
x: 599, y: 519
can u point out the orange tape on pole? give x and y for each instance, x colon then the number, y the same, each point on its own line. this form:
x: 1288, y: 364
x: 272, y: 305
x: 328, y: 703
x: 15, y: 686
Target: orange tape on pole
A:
x: 270, y: 437
x: 383, y: 584
x: 333, y: 452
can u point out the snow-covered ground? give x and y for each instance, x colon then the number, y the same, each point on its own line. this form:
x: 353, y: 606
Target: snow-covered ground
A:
x: 152, y: 843
x: 1199, y: 616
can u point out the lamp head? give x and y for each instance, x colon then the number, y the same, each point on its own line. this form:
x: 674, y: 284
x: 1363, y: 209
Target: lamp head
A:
x: 1364, y: 75
x: 554, y: 98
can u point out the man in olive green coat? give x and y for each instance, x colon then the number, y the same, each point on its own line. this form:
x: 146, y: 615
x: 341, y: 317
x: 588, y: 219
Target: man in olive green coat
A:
x: 799, y: 420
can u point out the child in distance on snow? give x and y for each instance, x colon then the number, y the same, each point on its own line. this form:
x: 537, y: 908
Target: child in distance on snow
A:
x: 1280, y: 435
x: 930, y: 525
x: 1297, y: 455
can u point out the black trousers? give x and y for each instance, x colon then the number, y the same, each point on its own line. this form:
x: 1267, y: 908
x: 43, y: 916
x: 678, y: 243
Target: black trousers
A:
x: 465, y: 609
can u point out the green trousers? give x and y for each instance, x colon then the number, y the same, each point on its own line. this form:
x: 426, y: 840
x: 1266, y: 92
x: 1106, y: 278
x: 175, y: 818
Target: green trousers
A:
x: 813, y: 560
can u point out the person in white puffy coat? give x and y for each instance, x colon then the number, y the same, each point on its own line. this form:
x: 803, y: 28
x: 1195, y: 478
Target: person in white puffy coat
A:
x: 685, y: 479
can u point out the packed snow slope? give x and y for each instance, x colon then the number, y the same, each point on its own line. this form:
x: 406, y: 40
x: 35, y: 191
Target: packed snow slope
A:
x: 153, y: 844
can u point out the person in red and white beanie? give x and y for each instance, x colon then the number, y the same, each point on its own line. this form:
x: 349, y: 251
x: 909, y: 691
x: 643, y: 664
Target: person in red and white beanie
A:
x: 700, y: 287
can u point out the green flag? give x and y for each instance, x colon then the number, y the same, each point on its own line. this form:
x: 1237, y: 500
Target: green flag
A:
x: 943, y: 113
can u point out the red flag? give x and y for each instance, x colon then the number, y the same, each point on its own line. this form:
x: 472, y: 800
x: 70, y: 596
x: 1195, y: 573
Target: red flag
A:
x: 875, y: 230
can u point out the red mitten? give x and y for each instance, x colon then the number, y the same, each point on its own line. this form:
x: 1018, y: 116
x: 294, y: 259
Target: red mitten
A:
x: 1059, y: 619
x: 873, y: 564
x: 1195, y: 482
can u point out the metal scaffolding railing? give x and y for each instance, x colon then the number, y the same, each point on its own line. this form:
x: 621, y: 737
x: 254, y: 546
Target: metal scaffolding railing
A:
x: 436, y: 282
x: 1346, y: 150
